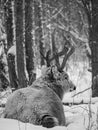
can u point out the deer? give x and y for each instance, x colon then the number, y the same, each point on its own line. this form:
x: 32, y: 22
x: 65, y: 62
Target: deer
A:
x: 41, y: 102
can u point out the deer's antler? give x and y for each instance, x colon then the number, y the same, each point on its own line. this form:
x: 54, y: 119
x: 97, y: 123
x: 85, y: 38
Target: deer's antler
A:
x: 67, y: 51
x: 67, y: 55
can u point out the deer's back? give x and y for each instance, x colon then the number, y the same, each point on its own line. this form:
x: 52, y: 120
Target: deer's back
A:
x: 32, y: 104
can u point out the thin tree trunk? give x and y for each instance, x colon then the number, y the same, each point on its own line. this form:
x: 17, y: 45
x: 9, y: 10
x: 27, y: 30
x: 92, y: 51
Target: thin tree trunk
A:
x: 20, y: 49
x: 50, y: 32
x: 39, y: 13
x: 28, y: 39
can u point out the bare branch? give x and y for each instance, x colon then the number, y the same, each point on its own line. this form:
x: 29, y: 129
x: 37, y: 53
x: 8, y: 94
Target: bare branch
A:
x: 3, y: 74
x: 47, y: 57
x: 82, y: 91
x: 87, y: 10
x: 78, y: 101
x: 42, y: 55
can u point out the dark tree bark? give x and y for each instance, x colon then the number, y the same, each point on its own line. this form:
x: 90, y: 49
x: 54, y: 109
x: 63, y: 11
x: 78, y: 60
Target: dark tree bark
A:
x: 4, y: 82
x: 28, y: 39
x: 9, y: 23
x: 10, y: 35
x: 95, y: 86
x: 94, y: 45
x: 20, y: 52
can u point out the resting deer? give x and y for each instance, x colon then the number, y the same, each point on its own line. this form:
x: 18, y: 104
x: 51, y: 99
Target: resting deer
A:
x: 41, y: 103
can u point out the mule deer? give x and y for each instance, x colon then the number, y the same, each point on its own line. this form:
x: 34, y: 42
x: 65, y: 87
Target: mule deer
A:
x: 41, y: 103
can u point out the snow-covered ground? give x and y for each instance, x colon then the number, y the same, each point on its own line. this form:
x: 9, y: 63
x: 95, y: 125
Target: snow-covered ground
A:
x: 78, y: 117
x: 9, y: 124
x: 82, y: 115
x: 81, y: 77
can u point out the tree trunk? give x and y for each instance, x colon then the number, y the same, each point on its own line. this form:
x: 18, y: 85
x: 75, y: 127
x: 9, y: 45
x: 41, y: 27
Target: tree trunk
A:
x: 9, y: 23
x: 20, y: 49
x: 91, y: 11
x: 28, y: 39
x: 39, y: 13
x: 10, y: 37
x: 94, y: 45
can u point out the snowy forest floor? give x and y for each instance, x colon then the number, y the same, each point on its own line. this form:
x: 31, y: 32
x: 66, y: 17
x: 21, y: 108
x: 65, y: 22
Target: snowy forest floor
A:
x: 83, y: 116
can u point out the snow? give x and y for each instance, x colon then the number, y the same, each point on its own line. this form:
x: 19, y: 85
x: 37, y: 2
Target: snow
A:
x: 1, y: 50
x: 79, y: 115
x: 76, y: 126
x: 4, y: 95
x: 9, y: 124
x: 81, y: 77
x: 40, y: 71
x: 12, y: 50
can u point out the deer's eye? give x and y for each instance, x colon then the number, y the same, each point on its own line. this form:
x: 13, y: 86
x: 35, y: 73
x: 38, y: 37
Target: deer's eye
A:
x: 65, y: 76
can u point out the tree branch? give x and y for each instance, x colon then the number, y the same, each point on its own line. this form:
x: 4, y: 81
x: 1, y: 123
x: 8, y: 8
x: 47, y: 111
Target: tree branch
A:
x: 87, y: 10
x: 81, y: 92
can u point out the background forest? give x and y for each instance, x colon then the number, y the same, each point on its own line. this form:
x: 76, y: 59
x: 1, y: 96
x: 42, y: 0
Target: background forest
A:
x: 30, y: 30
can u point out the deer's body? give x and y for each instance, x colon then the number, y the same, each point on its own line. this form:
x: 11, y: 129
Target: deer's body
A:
x: 39, y: 104
x: 33, y: 104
